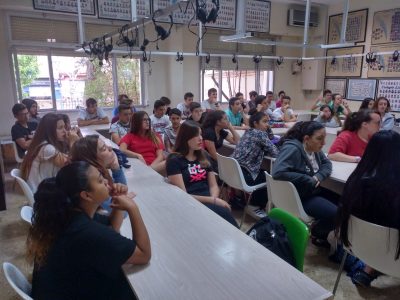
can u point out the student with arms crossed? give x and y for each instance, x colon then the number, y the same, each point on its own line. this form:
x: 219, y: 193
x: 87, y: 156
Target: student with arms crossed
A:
x: 171, y: 131
x: 48, y: 151
x: 185, y: 106
x: 371, y: 193
x: 284, y: 113
x: 78, y: 254
x: 22, y: 131
x: 92, y: 115
x: 143, y: 143
x: 235, y: 114
x: 120, y: 128
x: 358, y: 128
x: 189, y: 169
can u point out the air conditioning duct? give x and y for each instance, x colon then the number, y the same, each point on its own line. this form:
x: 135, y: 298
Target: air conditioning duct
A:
x: 297, y: 15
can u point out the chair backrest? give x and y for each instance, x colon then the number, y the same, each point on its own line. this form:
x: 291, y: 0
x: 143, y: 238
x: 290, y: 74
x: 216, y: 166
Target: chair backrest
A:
x: 297, y: 232
x: 16, y: 173
x: 283, y: 194
x: 17, y: 281
x: 375, y: 245
x: 304, y: 117
x: 26, y: 214
x: 17, y: 158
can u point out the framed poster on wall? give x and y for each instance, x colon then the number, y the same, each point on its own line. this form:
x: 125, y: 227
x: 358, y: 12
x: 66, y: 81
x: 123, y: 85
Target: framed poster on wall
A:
x: 121, y: 9
x: 258, y: 13
x: 385, y: 65
x: 336, y: 85
x: 390, y: 88
x: 355, y: 28
x: 68, y: 6
x: 359, y: 89
x: 386, y: 27
x: 344, y: 66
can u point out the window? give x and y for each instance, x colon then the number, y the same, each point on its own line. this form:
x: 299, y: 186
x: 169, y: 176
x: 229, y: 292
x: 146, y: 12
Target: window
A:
x: 75, y: 79
x: 210, y: 80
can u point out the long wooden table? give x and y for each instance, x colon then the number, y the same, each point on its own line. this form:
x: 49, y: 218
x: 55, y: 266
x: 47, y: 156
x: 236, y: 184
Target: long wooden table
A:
x: 198, y: 255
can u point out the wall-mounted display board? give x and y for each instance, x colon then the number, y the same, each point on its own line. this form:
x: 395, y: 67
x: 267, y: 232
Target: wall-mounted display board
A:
x: 386, y: 27
x: 121, y: 9
x: 390, y: 88
x: 68, y: 6
x: 359, y: 89
x: 226, y: 15
x: 344, y: 67
x: 389, y: 67
x: 258, y: 14
x: 336, y: 85
x: 355, y: 29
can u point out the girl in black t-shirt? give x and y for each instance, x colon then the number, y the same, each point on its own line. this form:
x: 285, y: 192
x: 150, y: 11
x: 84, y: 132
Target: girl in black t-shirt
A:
x: 189, y: 170
x: 78, y: 254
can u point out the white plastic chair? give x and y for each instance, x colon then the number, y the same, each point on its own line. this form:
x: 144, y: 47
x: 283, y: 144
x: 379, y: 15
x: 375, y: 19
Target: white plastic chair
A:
x: 16, y: 173
x: 375, y: 245
x: 230, y: 173
x: 283, y: 194
x: 17, y: 158
x: 26, y: 214
x: 17, y: 281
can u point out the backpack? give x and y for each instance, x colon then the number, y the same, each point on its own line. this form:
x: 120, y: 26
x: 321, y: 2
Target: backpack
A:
x: 272, y: 235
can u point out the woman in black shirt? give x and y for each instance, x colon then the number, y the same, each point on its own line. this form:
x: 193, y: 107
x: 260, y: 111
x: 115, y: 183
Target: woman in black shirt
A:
x: 78, y: 254
x: 189, y: 170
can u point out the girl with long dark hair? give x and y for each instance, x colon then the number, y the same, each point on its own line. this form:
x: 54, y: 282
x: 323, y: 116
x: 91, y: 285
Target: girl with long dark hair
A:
x: 78, y: 254
x: 382, y: 106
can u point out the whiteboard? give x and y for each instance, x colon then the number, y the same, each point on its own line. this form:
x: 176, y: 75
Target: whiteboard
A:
x: 390, y: 88
x: 359, y: 89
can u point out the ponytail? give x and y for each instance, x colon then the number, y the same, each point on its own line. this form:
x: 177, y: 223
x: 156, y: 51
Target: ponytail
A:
x: 300, y: 130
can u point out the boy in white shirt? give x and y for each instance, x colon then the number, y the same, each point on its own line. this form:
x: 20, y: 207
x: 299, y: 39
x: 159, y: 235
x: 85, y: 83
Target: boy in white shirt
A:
x: 284, y: 113
x: 211, y: 103
x: 92, y: 115
x: 159, y: 121
x: 185, y: 106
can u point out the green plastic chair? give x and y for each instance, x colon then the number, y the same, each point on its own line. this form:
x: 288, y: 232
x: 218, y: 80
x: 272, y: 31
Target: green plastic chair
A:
x: 297, y: 231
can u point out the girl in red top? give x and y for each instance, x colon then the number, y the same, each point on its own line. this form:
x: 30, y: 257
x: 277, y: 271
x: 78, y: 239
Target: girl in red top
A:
x: 143, y: 143
x: 358, y: 129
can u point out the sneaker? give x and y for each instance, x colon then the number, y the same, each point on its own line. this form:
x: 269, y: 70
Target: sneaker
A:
x: 362, y: 278
x: 256, y: 212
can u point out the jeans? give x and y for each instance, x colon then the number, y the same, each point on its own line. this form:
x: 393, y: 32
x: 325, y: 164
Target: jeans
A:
x: 118, y: 176
x: 260, y: 196
x: 222, y: 212
x: 322, y: 207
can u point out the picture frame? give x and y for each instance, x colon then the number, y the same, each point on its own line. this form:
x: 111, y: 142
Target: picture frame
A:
x: 385, y: 66
x: 386, y: 27
x: 258, y: 15
x: 121, y: 9
x: 336, y: 85
x: 344, y: 67
x: 66, y: 6
x: 360, y: 88
x: 356, y: 28
x: 390, y: 88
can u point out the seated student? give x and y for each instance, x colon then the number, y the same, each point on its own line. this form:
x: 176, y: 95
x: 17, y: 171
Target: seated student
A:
x: 143, y: 143
x: 243, y: 102
x: 196, y: 113
x: 120, y: 100
x: 327, y: 118
x: 92, y: 115
x: 185, y: 106
x: 77, y: 253
x: 339, y: 106
x: 68, y: 127
x: 211, y: 103
x: 175, y: 116
x: 358, y: 128
x: 284, y: 112
x: 126, y: 102
x: 214, y: 134
x: 235, y: 114
x: 279, y: 101
x: 189, y: 169
x: 32, y: 107
x: 123, y: 125
x: 270, y: 101
x: 159, y: 120
x: 325, y: 100
x: 261, y: 103
x: 250, y: 152
x: 252, y: 102
x: 367, y: 103
x: 302, y: 162
x: 369, y: 193
x: 22, y: 131
x: 382, y: 106
x: 48, y: 151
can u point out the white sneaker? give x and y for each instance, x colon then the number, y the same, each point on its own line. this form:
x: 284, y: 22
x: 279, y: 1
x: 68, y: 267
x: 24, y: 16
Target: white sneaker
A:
x: 256, y: 212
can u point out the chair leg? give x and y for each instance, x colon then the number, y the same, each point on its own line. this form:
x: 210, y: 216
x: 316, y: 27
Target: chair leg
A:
x: 247, y: 199
x: 340, y: 272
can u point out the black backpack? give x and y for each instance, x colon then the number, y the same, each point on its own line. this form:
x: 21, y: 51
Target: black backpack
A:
x: 272, y: 235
